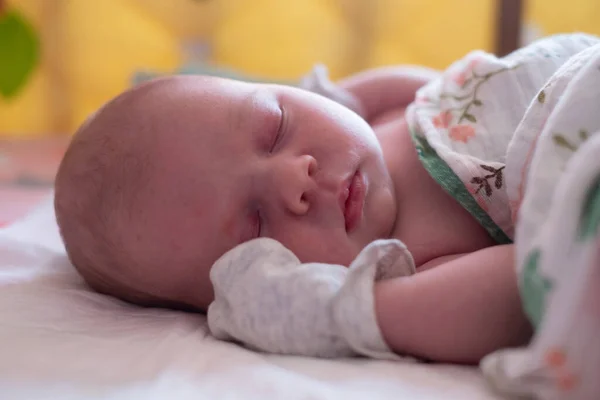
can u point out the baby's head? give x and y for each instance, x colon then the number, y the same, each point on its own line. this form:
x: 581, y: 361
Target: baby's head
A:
x: 167, y: 177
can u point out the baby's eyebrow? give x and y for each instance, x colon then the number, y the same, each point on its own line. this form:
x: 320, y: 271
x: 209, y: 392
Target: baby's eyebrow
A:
x: 248, y: 118
x: 238, y: 113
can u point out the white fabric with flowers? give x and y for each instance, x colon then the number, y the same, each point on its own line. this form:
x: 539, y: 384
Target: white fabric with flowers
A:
x: 463, y: 123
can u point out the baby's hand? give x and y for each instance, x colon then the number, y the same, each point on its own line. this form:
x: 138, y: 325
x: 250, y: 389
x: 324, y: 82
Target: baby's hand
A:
x: 317, y: 81
x: 267, y: 299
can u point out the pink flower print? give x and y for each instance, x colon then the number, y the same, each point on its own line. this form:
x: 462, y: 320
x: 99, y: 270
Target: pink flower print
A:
x: 461, y: 77
x: 478, y: 198
x: 442, y: 120
x: 556, y: 360
x: 462, y: 133
x: 482, y: 203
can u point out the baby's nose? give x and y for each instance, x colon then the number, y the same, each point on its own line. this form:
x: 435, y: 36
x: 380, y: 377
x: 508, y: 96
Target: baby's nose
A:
x: 297, y: 184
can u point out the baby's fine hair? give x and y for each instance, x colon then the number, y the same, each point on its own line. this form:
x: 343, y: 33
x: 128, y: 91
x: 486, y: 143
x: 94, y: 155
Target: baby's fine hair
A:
x: 96, y: 193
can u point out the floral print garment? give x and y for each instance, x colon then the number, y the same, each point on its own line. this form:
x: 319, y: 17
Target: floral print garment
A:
x: 463, y: 123
x: 557, y: 153
x: 517, y: 142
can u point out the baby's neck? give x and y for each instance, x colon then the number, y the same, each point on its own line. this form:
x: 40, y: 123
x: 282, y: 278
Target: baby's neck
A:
x: 429, y: 221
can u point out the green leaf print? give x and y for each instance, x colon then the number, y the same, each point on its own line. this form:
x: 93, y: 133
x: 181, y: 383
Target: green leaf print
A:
x: 542, y: 97
x: 561, y: 141
x: 469, y: 95
x: 534, y: 289
x: 589, y: 220
x: 470, y: 118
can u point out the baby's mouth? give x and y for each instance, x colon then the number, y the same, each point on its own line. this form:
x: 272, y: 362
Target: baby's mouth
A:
x: 352, y: 200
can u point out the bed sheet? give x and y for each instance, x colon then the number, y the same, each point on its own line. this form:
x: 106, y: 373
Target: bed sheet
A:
x: 58, y: 340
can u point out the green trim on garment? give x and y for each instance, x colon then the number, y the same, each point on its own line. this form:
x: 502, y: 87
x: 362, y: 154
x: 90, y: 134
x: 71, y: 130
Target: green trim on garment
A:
x: 589, y: 220
x: 534, y: 288
x: 443, y: 174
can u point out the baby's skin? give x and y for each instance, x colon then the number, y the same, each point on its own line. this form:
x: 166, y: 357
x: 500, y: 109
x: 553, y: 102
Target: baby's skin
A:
x: 170, y: 175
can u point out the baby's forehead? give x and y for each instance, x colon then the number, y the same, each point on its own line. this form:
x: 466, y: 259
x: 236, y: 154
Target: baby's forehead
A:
x: 204, y: 86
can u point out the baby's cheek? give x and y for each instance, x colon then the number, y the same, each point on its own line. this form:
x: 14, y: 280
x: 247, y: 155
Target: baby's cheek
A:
x: 228, y: 229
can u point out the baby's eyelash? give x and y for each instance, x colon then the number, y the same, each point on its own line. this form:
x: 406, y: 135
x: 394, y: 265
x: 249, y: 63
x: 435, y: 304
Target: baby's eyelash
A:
x: 280, y: 131
x: 259, y: 223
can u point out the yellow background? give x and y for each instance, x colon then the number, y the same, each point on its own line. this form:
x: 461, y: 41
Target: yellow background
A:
x: 91, y: 49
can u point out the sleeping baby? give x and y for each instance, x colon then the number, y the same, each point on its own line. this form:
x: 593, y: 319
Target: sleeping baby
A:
x: 169, y: 178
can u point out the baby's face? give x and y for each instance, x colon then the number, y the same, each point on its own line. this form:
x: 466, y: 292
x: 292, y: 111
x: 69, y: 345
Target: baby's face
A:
x: 236, y: 161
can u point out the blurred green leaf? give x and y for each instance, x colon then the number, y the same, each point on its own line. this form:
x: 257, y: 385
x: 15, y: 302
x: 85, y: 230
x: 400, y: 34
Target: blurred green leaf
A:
x: 542, y: 97
x: 589, y: 222
x: 19, y: 52
x: 561, y: 141
x: 470, y: 117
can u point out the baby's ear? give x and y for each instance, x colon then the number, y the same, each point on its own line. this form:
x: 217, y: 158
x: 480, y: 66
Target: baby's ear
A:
x: 317, y: 81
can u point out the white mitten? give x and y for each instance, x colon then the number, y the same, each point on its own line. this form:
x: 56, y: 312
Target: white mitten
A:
x: 317, y: 81
x: 268, y: 300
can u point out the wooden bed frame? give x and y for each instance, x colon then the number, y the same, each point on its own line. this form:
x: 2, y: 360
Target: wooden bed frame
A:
x: 509, y: 15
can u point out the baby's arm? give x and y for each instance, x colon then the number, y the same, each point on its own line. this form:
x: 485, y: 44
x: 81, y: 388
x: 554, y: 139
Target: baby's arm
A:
x: 383, y: 89
x: 457, y: 312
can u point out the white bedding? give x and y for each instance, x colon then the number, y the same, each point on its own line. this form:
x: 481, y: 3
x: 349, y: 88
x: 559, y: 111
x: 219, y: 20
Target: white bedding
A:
x: 58, y: 340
